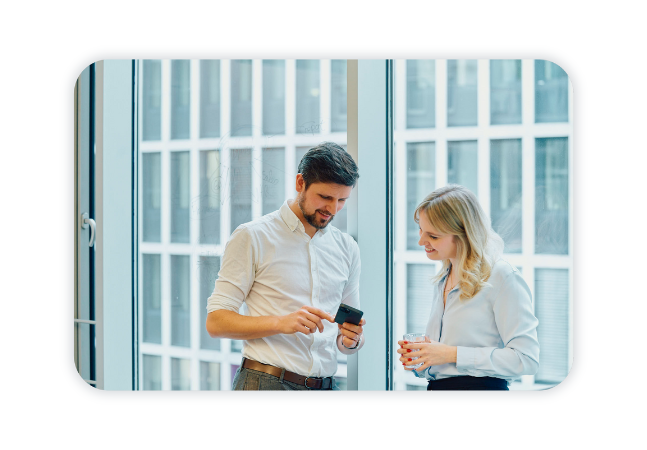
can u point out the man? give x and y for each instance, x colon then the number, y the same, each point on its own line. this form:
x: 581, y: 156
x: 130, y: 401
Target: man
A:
x: 292, y: 272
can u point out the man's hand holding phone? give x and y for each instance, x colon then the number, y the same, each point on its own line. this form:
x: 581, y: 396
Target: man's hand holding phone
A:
x: 350, y: 323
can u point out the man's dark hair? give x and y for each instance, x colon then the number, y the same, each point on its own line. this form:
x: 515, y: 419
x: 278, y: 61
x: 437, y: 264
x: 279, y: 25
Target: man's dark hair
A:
x: 328, y: 163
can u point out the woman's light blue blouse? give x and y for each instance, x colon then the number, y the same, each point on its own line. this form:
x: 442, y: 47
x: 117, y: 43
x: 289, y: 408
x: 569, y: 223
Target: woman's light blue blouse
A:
x: 495, y: 332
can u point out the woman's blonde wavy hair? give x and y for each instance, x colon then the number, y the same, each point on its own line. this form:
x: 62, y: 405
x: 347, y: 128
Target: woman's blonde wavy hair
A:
x: 455, y: 210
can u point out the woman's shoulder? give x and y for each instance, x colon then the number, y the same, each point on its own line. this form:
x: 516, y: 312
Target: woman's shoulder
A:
x: 501, y: 270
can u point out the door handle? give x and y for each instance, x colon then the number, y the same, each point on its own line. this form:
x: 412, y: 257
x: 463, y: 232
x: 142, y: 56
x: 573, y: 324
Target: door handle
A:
x: 85, y: 221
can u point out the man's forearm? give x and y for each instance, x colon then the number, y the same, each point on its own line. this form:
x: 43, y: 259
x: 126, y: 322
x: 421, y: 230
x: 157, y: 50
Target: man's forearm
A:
x: 223, y: 323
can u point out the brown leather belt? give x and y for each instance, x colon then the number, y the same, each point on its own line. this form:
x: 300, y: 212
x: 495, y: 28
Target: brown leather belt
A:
x: 309, y: 382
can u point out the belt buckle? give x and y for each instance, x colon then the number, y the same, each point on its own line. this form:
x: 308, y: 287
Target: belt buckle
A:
x: 305, y: 383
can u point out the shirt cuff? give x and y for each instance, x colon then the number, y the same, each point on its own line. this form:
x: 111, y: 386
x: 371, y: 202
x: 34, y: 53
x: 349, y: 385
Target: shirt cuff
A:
x: 465, y: 358
x: 349, y: 351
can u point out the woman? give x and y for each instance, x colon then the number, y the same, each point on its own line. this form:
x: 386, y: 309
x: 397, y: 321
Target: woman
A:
x: 482, y: 329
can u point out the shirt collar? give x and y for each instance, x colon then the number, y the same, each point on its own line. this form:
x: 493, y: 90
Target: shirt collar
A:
x: 292, y: 221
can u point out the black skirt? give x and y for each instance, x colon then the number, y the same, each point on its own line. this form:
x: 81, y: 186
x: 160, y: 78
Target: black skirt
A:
x: 467, y: 383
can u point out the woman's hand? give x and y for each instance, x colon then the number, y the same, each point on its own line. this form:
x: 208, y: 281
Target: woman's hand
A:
x: 428, y: 353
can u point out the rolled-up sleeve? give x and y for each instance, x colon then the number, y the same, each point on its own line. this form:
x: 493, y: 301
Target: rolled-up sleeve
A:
x: 236, y: 274
x: 517, y: 325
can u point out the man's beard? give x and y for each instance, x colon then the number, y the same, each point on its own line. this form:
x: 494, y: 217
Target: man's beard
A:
x: 312, y: 218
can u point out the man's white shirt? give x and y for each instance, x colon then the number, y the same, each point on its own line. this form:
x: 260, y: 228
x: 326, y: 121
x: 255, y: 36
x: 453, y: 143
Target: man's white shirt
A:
x: 274, y: 268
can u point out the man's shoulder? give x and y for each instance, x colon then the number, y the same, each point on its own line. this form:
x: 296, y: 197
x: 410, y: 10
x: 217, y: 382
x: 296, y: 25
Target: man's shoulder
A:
x: 344, y: 240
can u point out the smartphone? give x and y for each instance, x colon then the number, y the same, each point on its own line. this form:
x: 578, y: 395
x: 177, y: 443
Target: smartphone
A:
x: 348, y: 314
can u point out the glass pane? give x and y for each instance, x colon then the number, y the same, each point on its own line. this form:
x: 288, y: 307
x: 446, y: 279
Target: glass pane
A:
x: 210, y: 197
x: 209, y: 98
x: 273, y: 96
x: 462, y: 164
x: 151, y: 197
x: 416, y: 387
x: 209, y: 267
x: 241, y: 187
x: 341, y: 383
x: 241, y: 97
x: 180, y: 374
x: 419, y: 287
x: 180, y: 98
x: 421, y: 181
x: 505, y: 91
x: 551, y: 309
x: 273, y: 187
x: 152, y: 298
x: 551, y: 196
x: 421, y: 93
x: 209, y: 376
x: 307, y: 94
x: 152, y: 100
x: 461, y: 92
x: 180, y: 301
x: 551, y: 92
x: 338, y: 80
x: 505, y: 191
x: 180, y: 179
x: 152, y: 373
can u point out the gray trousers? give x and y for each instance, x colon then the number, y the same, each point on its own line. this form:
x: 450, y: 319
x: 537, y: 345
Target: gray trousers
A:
x: 253, y: 380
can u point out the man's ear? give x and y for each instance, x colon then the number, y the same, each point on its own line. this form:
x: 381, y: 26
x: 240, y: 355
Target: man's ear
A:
x: 300, y: 183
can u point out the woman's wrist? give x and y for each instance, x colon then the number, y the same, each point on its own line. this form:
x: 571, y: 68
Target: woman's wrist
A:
x: 452, y: 353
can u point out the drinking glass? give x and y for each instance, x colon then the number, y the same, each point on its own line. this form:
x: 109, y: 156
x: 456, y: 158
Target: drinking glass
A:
x: 416, y: 337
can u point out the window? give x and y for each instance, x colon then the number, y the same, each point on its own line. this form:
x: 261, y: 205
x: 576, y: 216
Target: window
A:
x: 421, y: 93
x: 180, y: 99
x: 505, y: 191
x: 151, y: 196
x: 421, y: 180
x: 461, y: 92
x: 462, y: 164
x: 209, y: 98
x: 551, y: 92
x: 338, y: 113
x: 505, y: 91
x: 307, y: 92
x: 180, y: 179
x: 151, y: 100
x: 241, y: 98
x: 273, y: 97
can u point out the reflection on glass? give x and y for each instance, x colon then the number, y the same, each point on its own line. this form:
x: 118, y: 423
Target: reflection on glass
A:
x: 338, y: 95
x: 273, y: 96
x: 462, y: 164
x: 180, y: 374
x: 461, y: 92
x: 209, y: 98
x: 505, y: 91
x: 152, y: 298
x: 421, y: 181
x: 273, y: 183
x: 505, y: 191
x: 241, y: 187
x: 241, y: 97
x: 307, y: 93
x: 419, y: 288
x: 180, y: 300
x: 180, y: 179
x: 152, y: 373
x: 152, y: 100
x: 180, y: 98
x: 551, y: 309
x: 551, y: 196
x: 551, y: 92
x: 209, y: 376
x: 209, y: 267
x: 421, y: 93
x: 209, y: 197
x: 151, y: 197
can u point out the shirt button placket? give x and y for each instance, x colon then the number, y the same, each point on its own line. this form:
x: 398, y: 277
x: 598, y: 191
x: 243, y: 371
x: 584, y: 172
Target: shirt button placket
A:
x: 314, y: 271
